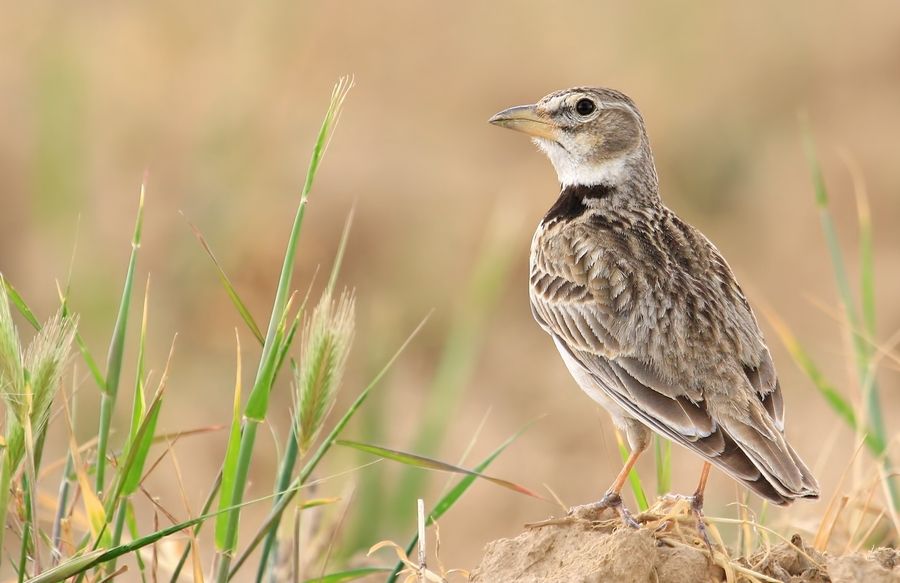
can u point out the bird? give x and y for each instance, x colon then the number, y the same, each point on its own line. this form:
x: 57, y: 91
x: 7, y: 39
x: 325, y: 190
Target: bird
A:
x: 646, y: 313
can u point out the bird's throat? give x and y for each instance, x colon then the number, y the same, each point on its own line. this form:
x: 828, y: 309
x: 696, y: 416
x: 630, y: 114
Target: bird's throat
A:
x: 575, y: 199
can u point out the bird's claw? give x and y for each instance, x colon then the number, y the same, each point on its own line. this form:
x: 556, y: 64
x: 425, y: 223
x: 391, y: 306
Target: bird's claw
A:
x: 697, y: 511
x: 610, y: 500
x: 696, y: 508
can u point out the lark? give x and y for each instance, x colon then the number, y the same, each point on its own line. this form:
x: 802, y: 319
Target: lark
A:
x: 643, y: 308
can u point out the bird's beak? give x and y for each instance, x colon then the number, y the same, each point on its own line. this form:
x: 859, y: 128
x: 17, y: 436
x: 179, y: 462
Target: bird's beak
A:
x: 526, y: 119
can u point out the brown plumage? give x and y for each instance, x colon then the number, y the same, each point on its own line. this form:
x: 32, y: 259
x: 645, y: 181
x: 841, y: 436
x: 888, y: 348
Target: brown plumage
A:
x: 643, y: 308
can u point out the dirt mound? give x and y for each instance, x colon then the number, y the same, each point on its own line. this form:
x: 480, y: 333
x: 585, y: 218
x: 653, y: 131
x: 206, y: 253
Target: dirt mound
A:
x: 799, y: 563
x: 590, y: 548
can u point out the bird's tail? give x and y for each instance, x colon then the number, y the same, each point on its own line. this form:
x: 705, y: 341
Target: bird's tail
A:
x: 780, y: 475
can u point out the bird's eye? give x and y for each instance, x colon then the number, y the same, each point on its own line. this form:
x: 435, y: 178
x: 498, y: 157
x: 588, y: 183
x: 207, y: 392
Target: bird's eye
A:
x: 585, y: 107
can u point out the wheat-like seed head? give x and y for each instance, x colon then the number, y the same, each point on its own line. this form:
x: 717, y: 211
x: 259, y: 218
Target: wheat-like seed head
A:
x: 44, y: 361
x: 28, y: 382
x: 11, y: 374
x: 326, y: 342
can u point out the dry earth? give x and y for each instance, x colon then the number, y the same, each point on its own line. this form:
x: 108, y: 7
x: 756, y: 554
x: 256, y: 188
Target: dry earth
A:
x: 666, y: 549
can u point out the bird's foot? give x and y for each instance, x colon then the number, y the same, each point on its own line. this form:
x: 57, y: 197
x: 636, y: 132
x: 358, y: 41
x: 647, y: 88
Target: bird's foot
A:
x: 610, y: 500
x: 696, y: 509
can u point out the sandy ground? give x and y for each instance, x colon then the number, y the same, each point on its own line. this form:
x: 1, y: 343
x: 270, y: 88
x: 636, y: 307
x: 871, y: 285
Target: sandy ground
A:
x: 585, y: 548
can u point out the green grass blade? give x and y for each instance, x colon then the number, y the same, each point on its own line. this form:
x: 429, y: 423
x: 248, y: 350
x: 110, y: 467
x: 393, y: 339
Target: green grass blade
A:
x: 229, y: 469
x: 131, y: 521
x: 663, y: 450
x: 93, y: 558
x: 804, y: 361
x: 82, y: 563
x: 139, y: 401
x: 834, y: 250
x: 22, y: 307
x: 863, y: 349
x: 339, y: 256
x: 282, y: 482
x: 29, y: 534
x: 65, y: 486
x: 92, y: 365
x: 351, y: 575
x: 118, y: 527
x: 233, y: 295
x: 454, y: 494
x: 866, y: 265
x: 289, y: 336
x: 272, y: 521
x: 843, y: 285
x: 69, y: 568
x: 427, y: 463
x: 870, y: 393
x: 459, y: 357
x: 634, y: 480
x: 138, y: 454
x: 207, y: 504
x: 129, y: 472
x: 371, y: 516
x: 16, y: 298
x: 258, y: 400
x: 79, y: 341
x: 284, y: 349
x: 116, y: 352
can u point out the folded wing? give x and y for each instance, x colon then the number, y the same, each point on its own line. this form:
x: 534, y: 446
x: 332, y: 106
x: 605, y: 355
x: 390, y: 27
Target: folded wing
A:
x: 680, y: 354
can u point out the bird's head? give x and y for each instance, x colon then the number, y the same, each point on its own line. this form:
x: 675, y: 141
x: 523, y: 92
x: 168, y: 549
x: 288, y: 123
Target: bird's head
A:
x: 591, y: 135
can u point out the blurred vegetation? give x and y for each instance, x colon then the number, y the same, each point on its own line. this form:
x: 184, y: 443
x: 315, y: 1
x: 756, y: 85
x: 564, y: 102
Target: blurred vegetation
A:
x: 218, y: 103
x: 31, y: 378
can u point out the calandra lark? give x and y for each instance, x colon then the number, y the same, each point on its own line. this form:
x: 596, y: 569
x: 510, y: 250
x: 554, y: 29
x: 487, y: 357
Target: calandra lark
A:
x: 644, y: 309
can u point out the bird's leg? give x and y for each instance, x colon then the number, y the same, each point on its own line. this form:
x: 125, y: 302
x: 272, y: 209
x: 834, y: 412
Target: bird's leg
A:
x: 697, y: 506
x: 612, y: 498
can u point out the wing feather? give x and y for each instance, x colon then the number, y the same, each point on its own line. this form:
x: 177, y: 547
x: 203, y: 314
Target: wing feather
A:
x: 671, y: 349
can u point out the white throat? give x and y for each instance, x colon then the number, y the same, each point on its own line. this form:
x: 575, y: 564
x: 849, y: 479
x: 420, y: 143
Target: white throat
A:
x: 572, y: 172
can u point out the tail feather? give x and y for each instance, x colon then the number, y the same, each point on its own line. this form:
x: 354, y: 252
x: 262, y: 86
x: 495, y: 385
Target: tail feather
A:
x: 782, y: 475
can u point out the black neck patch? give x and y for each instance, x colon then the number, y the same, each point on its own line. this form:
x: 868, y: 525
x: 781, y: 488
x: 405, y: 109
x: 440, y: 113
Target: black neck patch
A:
x: 570, y: 203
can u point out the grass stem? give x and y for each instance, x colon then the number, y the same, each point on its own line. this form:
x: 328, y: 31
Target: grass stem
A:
x: 110, y: 387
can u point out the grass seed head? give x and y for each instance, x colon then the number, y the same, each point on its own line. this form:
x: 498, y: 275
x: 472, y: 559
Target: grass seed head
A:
x: 12, y: 377
x: 28, y: 381
x: 44, y: 361
x: 327, y: 337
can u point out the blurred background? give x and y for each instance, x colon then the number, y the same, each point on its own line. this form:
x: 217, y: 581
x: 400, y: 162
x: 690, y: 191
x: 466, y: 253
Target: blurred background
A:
x: 220, y: 103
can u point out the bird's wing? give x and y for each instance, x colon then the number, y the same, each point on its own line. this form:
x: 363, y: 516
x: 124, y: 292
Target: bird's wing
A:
x: 596, y: 292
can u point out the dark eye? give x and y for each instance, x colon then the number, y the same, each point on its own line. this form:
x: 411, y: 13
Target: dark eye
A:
x: 585, y: 107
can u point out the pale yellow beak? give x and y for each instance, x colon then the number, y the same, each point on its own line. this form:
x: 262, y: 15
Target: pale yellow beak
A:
x: 526, y: 119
